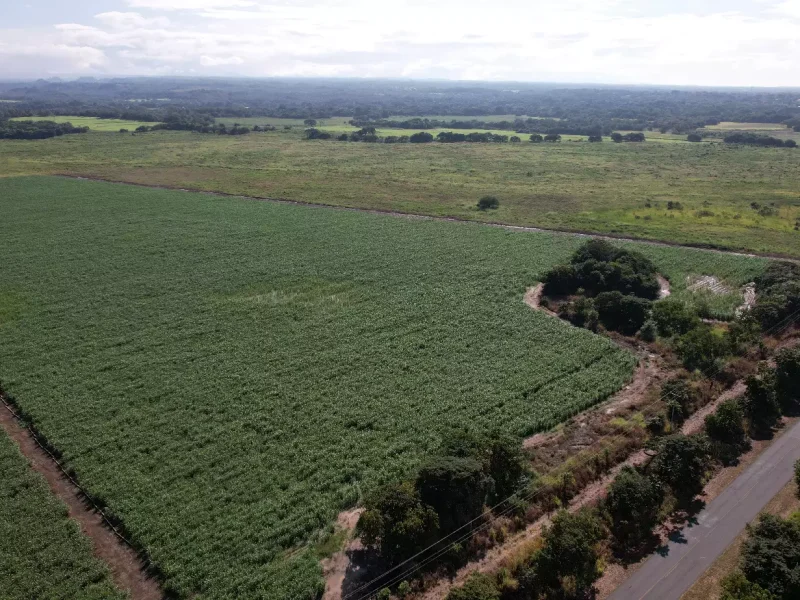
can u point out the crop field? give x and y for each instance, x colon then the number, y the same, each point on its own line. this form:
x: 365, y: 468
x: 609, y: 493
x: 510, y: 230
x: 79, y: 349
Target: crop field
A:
x: 227, y: 374
x: 621, y: 189
x: 734, y: 126
x: 93, y: 123
x: 43, y: 552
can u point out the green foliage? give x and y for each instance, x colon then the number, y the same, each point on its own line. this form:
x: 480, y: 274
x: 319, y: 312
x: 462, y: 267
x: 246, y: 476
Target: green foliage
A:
x: 404, y: 589
x: 621, y: 313
x: 681, y: 465
x: 760, y: 401
x: 797, y: 476
x: 725, y: 427
x: 479, y: 586
x: 569, y: 557
x: 701, y: 349
x: 771, y: 556
x: 673, y: 317
x: 633, y: 505
x: 44, y: 553
x: 455, y: 487
x: 736, y: 587
x: 778, y: 297
x: 649, y: 331
x: 488, y: 202
x: 397, y: 521
x: 298, y: 355
x: 787, y: 378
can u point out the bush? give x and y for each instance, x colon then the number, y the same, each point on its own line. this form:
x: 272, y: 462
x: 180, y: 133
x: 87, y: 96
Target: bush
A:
x: 649, y: 331
x: 797, y: 476
x: 488, y: 202
x: 694, y: 137
x: 736, y: 587
x: 673, y: 317
x: 423, y: 137
x: 479, y: 586
x: 536, y: 138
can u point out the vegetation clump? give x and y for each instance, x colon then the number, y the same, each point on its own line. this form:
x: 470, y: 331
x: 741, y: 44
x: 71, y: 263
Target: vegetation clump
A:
x: 488, y: 203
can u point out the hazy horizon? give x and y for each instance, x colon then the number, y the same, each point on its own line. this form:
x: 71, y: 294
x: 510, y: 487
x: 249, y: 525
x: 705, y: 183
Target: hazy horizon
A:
x: 735, y: 43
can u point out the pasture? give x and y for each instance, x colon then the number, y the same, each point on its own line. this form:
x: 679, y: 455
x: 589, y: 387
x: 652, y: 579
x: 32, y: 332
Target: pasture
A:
x: 621, y: 189
x: 227, y: 374
x: 43, y: 552
x: 93, y: 123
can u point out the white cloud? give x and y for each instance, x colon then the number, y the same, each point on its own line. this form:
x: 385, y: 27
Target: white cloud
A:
x: 572, y: 40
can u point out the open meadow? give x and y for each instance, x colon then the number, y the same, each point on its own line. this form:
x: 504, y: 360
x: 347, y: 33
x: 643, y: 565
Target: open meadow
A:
x: 227, y: 374
x: 740, y: 197
x: 93, y: 123
x: 43, y: 552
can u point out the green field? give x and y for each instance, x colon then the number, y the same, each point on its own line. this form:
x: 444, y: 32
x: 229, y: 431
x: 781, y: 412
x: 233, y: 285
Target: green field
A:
x: 621, y: 189
x: 734, y: 126
x: 43, y: 552
x: 227, y: 374
x: 93, y: 123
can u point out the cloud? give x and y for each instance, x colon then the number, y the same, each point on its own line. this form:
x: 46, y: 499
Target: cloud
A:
x: 573, y: 40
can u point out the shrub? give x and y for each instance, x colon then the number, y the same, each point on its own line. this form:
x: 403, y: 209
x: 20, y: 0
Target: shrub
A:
x: 423, y: 137
x: 797, y: 476
x: 536, y: 138
x: 488, y: 202
x: 479, y: 586
x: 694, y: 137
x: 649, y: 331
x: 736, y: 587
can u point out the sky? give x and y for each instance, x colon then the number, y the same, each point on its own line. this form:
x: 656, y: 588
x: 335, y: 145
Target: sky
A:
x: 675, y: 42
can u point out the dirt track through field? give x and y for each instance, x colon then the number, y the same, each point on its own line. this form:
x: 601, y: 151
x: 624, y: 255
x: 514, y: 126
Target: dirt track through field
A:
x: 127, y: 570
x: 409, y: 215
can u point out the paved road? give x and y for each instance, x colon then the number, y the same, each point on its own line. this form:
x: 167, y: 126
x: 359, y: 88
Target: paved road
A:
x: 667, y: 577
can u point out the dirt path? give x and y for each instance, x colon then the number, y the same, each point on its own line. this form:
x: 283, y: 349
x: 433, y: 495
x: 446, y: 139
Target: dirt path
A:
x: 663, y: 284
x: 397, y: 213
x: 696, y: 421
x: 335, y: 568
x: 533, y: 298
x: 126, y: 568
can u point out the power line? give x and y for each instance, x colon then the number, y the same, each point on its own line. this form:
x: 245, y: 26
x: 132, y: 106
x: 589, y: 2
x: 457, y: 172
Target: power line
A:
x: 779, y: 327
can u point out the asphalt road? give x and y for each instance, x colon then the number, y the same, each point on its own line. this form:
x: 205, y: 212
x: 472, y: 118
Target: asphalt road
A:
x: 667, y: 576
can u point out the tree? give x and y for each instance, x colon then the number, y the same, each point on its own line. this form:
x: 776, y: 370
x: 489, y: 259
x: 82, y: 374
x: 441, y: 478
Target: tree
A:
x: 760, y: 401
x: 507, y: 466
x: 797, y: 476
x: 397, y: 521
x: 514, y: 139
x: 536, y: 138
x: 479, y: 586
x: 423, y: 137
x: 310, y: 122
x: 595, y: 138
x: 455, y: 487
x: 701, y: 348
x: 616, y: 137
x: 569, y: 557
x: 787, y: 378
x: 790, y: 144
x: 725, y: 427
x: 633, y: 504
x: 622, y: 313
x: 694, y: 137
x: 736, y: 587
x: 673, y: 317
x: 681, y: 465
x: 488, y: 202
x: 552, y: 137
x: 771, y: 556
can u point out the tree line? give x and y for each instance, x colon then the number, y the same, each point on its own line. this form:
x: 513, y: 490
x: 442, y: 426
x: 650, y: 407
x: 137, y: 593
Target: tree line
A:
x: 36, y: 130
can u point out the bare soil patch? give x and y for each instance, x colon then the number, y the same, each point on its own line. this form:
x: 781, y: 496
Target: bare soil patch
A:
x: 127, y: 570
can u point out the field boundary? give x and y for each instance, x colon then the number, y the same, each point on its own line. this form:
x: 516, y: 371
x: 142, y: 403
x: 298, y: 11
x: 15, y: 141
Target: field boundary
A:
x: 412, y: 215
x: 131, y: 569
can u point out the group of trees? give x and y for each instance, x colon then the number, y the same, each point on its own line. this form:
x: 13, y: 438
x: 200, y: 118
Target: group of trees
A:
x: 752, y: 139
x: 36, y: 130
x: 449, y: 492
x: 634, y: 136
x: 770, y: 562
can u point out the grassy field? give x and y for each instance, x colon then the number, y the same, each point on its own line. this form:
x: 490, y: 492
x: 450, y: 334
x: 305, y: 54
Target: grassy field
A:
x: 734, y: 126
x: 227, y: 374
x: 621, y: 189
x: 93, y: 123
x: 43, y: 552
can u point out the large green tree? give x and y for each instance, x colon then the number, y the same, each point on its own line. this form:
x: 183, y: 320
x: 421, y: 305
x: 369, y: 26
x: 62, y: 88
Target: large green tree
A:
x: 632, y: 504
x: 681, y: 464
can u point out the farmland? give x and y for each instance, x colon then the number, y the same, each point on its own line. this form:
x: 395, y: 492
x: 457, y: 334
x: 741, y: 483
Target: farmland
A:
x: 620, y: 189
x: 43, y: 552
x: 225, y: 374
x: 93, y: 123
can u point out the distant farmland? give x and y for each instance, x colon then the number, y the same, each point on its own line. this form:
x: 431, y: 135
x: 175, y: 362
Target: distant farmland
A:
x: 93, y: 123
x: 227, y: 374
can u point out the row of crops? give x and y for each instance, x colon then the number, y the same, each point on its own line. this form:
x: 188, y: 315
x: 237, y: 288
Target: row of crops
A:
x: 226, y: 375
